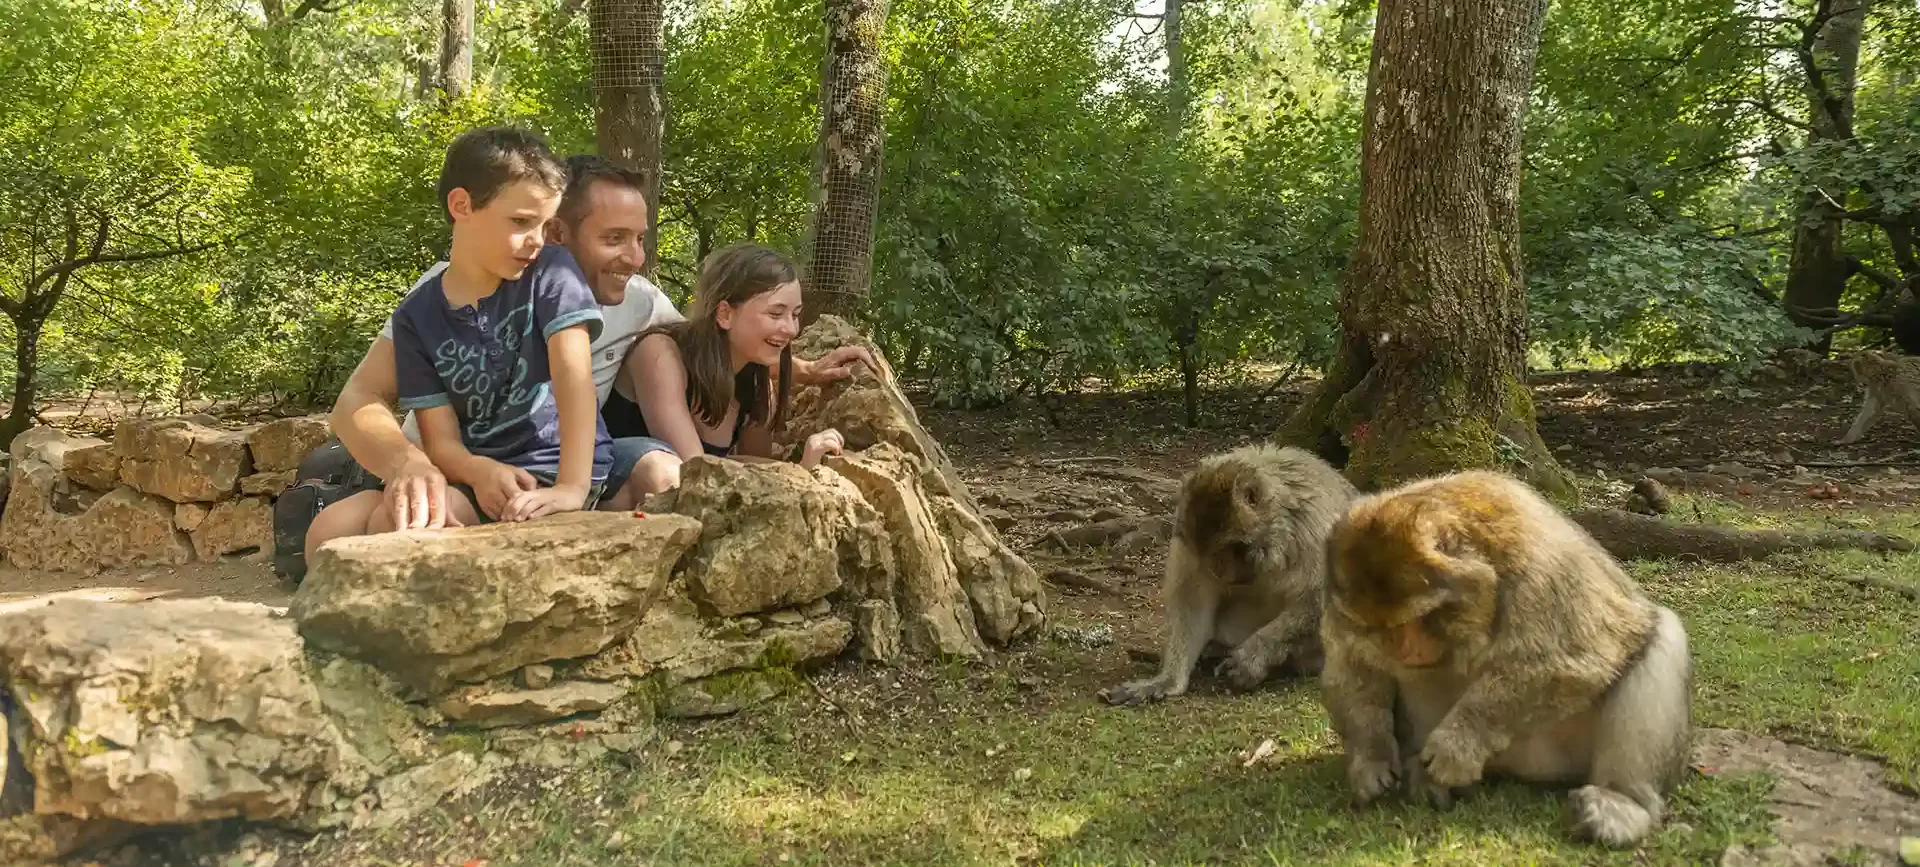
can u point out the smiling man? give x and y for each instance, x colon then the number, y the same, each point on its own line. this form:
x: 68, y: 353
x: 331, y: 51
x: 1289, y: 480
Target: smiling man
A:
x: 602, y: 221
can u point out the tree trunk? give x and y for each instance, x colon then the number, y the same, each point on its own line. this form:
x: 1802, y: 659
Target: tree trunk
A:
x: 630, y: 97
x: 456, y: 49
x: 26, y: 363
x: 847, y: 160
x: 1818, y: 271
x: 1430, y: 372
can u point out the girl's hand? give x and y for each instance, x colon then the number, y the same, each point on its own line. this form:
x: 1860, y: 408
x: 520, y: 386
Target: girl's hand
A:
x: 820, y: 445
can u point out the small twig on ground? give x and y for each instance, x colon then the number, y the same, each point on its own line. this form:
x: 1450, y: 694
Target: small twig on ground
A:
x: 1882, y: 583
x: 846, y: 716
x: 1090, y: 459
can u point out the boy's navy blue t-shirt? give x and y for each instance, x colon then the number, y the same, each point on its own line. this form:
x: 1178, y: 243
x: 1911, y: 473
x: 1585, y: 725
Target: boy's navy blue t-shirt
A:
x: 489, y: 361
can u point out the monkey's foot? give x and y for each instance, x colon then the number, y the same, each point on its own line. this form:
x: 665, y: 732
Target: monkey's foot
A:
x: 1371, y: 778
x: 1609, y: 817
x: 1139, y: 692
x: 1242, y: 671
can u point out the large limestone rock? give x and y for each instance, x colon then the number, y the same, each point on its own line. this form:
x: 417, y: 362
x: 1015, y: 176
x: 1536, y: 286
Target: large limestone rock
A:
x: 487, y: 708
x: 234, y: 526
x: 439, y: 607
x: 52, y: 524
x: 774, y: 534
x: 934, y: 610
x: 169, y: 712
x: 961, y: 589
x: 279, y: 446
x: 676, y: 643
x: 92, y: 464
x: 867, y: 409
x: 180, y: 460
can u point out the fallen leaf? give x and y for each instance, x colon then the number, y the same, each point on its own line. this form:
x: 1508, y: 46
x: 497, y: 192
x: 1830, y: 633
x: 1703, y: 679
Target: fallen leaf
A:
x: 1910, y: 851
x: 1262, y: 751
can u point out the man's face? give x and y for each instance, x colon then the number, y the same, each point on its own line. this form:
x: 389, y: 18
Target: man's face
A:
x: 608, y: 243
x: 505, y: 236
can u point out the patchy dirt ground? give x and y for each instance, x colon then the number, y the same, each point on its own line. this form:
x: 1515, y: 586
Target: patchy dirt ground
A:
x: 1047, y: 469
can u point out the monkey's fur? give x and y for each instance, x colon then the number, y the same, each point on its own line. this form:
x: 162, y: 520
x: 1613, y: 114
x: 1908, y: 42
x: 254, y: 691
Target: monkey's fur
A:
x: 1472, y: 628
x: 1245, y: 568
x: 1888, y: 382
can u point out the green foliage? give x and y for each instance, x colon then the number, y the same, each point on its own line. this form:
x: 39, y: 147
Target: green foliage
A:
x: 1044, y: 226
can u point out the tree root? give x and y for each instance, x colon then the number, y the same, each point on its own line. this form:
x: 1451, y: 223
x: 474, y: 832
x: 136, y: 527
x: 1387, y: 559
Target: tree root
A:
x: 1135, y: 531
x: 1638, y: 537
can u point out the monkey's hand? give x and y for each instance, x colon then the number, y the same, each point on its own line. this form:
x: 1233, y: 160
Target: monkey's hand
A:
x: 1243, y: 669
x: 1454, y: 757
x: 1140, y: 691
x: 1420, y: 790
x: 1372, y: 777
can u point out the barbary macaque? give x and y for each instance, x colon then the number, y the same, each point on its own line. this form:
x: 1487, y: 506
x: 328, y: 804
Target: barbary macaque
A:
x: 1244, y: 569
x: 1887, y: 381
x: 1471, y: 628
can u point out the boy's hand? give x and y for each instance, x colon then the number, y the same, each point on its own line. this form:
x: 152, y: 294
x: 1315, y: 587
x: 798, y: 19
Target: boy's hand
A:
x: 527, y: 505
x: 496, y: 485
x: 417, y: 496
x: 820, y: 445
x: 838, y: 364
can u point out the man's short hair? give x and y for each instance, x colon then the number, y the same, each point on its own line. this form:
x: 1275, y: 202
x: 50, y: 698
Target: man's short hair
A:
x: 583, y: 170
x: 484, y: 161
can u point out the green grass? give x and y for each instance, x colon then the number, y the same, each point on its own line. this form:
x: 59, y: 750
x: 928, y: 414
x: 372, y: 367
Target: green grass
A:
x: 1018, y: 763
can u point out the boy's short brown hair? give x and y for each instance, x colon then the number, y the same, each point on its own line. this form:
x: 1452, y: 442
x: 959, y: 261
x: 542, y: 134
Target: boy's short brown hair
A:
x: 484, y: 161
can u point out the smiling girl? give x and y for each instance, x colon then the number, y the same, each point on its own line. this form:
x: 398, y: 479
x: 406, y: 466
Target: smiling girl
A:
x: 707, y: 385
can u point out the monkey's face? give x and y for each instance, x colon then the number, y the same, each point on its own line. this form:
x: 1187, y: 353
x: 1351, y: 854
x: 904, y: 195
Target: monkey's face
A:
x: 1382, y: 586
x: 1226, y: 513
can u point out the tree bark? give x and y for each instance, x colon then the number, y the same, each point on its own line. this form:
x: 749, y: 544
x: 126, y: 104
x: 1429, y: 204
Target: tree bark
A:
x: 630, y: 97
x: 26, y: 363
x: 847, y: 160
x: 1818, y: 270
x: 1431, y: 366
x: 456, y: 49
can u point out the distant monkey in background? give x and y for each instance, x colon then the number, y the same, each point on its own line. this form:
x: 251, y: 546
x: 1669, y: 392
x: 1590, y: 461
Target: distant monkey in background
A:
x: 1244, y: 570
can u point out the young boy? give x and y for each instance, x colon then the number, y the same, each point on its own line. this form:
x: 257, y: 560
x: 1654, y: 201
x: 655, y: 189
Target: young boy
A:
x: 492, y: 353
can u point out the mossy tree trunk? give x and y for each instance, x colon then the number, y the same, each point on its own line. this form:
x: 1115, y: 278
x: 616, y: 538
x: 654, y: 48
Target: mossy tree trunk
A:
x: 847, y: 170
x: 1430, y: 372
x: 1819, y: 268
x: 630, y: 100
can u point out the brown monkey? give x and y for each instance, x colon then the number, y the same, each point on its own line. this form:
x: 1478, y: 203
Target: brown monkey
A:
x: 1887, y: 381
x: 1245, y: 568
x: 1471, y: 627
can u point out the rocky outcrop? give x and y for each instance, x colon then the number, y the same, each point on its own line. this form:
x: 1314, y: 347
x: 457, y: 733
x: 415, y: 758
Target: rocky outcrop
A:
x: 180, y: 460
x: 868, y: 408
x: 51, y: 523
x: 489, y: 707
x: 957, y: 588
x: 234, y: 526
x: 168, y: 712
x: 774, y: 535
x: 440, y: 607
x: 267, y: 484
x: 92, y: 463
x: 279, y: 446
x: 677, y: 644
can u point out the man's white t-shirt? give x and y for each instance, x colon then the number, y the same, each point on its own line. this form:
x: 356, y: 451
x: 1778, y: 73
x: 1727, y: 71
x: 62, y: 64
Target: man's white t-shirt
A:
x: 644, y: 307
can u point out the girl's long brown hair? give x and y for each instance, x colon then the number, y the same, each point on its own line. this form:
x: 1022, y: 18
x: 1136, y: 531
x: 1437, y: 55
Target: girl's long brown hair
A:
x: 734, y: 274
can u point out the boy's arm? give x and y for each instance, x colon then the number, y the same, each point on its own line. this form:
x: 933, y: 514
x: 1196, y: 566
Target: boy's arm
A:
x: 570, y: 359
x: 416, y: 490
x: 568, y: 319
